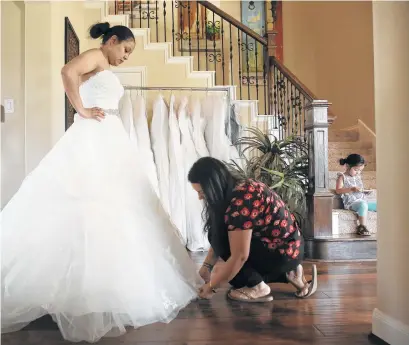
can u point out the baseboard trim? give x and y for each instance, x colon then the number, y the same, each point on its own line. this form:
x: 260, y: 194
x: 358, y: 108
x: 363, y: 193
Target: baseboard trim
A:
x: 389, y: 329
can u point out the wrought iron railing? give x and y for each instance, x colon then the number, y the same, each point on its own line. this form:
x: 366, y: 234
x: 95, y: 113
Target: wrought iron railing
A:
x: 236, y: 54
x: 217, y: 41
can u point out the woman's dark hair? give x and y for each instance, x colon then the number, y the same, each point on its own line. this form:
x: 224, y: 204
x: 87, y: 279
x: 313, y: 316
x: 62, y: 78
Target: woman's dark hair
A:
x: 353, y: 160
x: 104, y: 29
x: 217, y: 183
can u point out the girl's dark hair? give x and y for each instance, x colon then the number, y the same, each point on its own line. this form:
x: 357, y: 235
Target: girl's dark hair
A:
x: 353, y: 160
x: 217, y: 183
x: 104, y: 29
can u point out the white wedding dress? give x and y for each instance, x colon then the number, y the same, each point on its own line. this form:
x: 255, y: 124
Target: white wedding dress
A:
x: 196, y: 237
x: 86, y: 239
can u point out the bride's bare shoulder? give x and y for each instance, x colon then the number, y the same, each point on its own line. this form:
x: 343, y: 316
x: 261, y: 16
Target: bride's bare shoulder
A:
x: 87, y: 62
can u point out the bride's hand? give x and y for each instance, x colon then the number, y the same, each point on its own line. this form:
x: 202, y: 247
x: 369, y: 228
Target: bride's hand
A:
x: 93, y: 113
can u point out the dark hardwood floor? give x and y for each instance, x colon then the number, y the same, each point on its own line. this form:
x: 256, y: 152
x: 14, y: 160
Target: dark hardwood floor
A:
x: 338, y: 314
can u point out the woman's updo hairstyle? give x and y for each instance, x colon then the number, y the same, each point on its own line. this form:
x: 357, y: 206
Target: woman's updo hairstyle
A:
x: 106, y: 31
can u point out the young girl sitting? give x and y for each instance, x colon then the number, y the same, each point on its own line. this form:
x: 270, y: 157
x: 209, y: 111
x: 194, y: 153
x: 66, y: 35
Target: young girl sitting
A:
x: 351, y: 189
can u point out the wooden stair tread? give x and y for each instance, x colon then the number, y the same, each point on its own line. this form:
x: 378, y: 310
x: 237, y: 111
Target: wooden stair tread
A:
x: 344, y: 237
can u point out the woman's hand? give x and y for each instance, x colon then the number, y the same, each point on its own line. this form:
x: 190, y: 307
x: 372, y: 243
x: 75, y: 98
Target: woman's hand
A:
x: 92, y: 113
x: 206, y: 292
x: 205, y: 273
x: 355, y: 190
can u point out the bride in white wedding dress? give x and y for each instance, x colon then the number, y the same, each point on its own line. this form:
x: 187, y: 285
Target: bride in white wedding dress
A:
x: 85, y: 239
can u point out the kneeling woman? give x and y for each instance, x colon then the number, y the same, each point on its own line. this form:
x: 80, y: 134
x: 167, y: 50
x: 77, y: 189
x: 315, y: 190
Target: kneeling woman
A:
x: 251, y: 229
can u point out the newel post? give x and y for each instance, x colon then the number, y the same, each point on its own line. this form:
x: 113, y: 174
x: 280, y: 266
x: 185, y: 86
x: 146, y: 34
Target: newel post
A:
x: 319, y: 199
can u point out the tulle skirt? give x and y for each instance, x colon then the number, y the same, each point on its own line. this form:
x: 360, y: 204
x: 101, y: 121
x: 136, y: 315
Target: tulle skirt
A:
x: 86, y: 240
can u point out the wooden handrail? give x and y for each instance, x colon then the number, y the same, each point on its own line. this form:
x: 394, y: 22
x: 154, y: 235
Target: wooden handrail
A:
x: 302, y: 88
x: 291, y: 76
x: 227, y: 17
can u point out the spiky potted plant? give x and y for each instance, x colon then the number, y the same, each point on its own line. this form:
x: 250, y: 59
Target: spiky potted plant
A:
x: 282, y: 164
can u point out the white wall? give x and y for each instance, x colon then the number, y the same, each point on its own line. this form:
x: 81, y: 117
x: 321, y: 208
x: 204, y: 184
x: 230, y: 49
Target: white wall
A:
x: 391, y: 61
x: 12, y: 86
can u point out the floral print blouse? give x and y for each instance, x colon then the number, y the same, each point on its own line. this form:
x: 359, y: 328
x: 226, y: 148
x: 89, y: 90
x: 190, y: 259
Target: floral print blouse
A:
x: 256, y: 207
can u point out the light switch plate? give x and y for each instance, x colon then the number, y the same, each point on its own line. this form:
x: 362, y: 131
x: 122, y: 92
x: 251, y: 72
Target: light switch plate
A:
x: 9, y: 106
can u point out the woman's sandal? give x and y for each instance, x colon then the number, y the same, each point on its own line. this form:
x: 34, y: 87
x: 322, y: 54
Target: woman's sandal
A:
x: 310, y: 287
x: 246, y: 297
x: 361, y: 230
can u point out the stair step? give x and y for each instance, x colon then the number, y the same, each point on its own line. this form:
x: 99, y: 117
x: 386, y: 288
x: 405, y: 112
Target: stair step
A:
x: 344, y: 152
x: 341, y: 248
x: 348, y: 221
x: 343, y: 136
x: 354, y: 145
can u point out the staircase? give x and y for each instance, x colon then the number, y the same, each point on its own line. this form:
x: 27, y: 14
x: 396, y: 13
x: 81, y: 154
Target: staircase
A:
x: 341, y: 144
x: 196, y: 44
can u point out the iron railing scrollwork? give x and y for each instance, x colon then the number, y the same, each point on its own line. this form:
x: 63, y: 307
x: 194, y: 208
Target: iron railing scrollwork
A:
x: 236, y: 54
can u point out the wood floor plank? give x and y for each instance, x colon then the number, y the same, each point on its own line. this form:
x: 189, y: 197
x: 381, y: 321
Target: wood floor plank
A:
x: 338, y: 314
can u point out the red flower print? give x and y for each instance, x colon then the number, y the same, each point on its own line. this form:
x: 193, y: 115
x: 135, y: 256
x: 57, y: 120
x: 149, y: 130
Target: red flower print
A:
x: 262, y: 208
x: 291, y: 229
x: 292, y: 217
x: 248, y: 196
x: 268, y: 200
x: 281, y: 251
x: 272, y: 246
x: 256, y: 203
x: 245, y: 212
x: 240, y: 188
x: 268, y: 209
x: 235, y: 214
x: 260, y: 222
x: 238, y: 202
x: 228, y: 209
x: 284, y: 223
x: 251, y: 189
x: 289, y: 251
x: 286, y: 214
x: 286, y: 235
x: 278, y: 241
x: 275, y: 210
x: 248, y: 225
x: 230, y: 227
x: 276, y: 222
x: 298, y: 243
x: 254, y: 214
x: 275, y: 233
x: 269, y: 218
x: 296, y: 253
x: 226, y: 219
x: 278, y: 203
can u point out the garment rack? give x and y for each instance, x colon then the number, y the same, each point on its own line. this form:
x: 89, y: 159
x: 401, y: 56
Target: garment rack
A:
x: 186, y: 88
x: 228, y: 90
x: 182, y: 88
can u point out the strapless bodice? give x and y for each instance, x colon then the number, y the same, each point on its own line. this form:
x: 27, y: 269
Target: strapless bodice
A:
x: 103, y: 90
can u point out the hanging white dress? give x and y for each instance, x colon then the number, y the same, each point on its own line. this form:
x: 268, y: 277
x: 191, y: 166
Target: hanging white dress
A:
x: 86, y: 239
x: 160, y: 140
x: 215, y: 109
x: 198, y: 125
x: 196, y: 237
x: 177, y: 173
x: 141, y: 128
x: 126, y: 112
